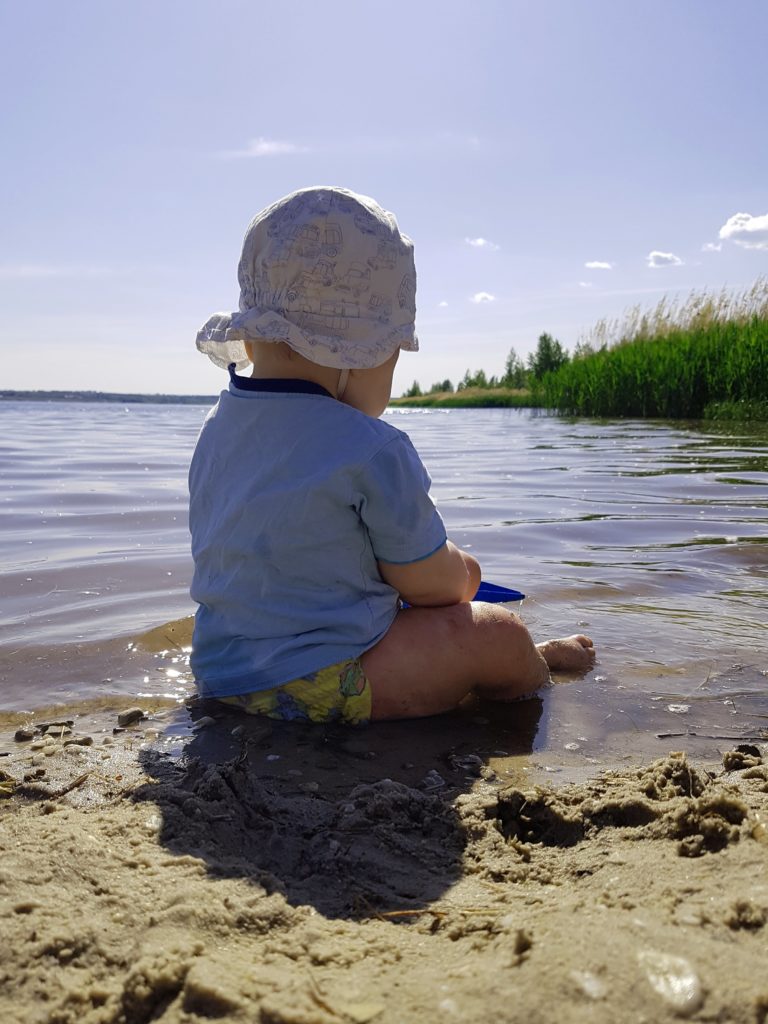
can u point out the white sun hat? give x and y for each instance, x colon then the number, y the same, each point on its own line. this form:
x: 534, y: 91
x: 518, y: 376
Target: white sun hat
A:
x: 328, y: 272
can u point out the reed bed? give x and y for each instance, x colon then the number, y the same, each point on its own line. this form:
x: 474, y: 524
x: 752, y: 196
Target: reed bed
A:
x: 706, y: 353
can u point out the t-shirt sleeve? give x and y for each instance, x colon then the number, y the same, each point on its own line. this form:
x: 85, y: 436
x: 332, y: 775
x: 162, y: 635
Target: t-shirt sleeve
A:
x: 393, y: 502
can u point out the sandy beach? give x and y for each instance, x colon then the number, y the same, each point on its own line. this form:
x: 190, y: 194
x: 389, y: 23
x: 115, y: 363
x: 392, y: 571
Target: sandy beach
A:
x: 304, y: 876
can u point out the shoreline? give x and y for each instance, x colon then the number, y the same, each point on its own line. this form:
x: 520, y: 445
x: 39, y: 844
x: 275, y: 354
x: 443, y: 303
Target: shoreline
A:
x: 310, y: 876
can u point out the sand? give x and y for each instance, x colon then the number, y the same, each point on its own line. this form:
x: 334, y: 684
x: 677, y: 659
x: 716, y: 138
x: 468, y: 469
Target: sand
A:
x: 286, y: 875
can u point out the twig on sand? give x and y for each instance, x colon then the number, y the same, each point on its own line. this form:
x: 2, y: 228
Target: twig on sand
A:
x: 38, y: 792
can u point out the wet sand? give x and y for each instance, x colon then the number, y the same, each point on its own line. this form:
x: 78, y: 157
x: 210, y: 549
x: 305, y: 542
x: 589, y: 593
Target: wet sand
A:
x: 311, y: 876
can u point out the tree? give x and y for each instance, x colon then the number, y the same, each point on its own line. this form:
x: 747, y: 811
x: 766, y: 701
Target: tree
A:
x: 441, y: 386
x: 549, y: 355
x: 414, y: 391
x: 473, y: 380
x: 515, y: 375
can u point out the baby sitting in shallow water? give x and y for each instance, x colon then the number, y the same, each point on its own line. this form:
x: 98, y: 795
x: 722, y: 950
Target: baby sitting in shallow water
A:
x: 311, y: 519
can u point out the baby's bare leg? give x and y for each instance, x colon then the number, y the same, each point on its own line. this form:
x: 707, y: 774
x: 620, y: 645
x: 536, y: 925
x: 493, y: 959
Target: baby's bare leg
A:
x: 432, y: 658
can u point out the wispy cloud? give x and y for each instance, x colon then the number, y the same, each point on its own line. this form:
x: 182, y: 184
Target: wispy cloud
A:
x: 33, y: 271
x: 598, y: 265
x: 712, y: 247
x: 482, y: 243
x: 658, y: 259
x: 747, y: 231
x: 442, y: 304
x: 262, y: 147
x: 585, y: 284
x: 480, y: 297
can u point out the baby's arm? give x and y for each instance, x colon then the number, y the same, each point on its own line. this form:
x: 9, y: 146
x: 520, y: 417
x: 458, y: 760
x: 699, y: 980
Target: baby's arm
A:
x: 447, y: 576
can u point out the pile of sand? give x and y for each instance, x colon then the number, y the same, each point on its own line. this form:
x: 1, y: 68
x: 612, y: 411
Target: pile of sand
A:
x: 137, y: 887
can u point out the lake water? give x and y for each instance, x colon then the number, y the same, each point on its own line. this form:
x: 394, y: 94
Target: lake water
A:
x: 652, y: 537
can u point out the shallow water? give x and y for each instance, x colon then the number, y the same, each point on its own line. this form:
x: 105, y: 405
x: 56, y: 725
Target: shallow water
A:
x: 652, y: 537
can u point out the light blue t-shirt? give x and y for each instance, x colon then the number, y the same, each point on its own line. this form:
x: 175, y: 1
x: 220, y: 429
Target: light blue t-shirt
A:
x: 293, y: 499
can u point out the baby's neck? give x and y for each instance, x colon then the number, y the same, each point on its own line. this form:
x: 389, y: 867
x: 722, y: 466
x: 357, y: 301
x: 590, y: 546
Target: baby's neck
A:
x: 277, y: 361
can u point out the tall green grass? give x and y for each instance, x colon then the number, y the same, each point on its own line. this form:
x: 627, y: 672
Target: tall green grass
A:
x: 676, y: 362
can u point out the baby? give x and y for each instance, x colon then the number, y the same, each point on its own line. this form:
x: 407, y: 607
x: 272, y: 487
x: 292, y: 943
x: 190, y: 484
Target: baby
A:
x: 311, y: 519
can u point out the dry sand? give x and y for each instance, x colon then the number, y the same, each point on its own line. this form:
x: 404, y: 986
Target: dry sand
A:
x: 287, y: 875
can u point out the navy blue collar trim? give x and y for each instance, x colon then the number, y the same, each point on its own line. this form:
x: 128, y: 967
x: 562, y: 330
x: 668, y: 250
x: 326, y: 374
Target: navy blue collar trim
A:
x: 300, y: 387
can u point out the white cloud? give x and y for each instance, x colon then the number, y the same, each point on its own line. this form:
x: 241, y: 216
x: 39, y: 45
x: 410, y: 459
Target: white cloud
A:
x: 598, y: 265
x: 442, y: 304
x: 262, y: 147
x: 479, y: 297
x: 585, y: 284
x: 482, y: 243
x: 658, y: 259
x: 712, y: 247
x: 746, y: 230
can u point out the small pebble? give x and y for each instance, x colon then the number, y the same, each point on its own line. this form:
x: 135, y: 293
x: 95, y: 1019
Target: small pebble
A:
x: 22, y: 735
x: 201, y: 723
x: 469, y: 763
x: 690, y: 919
x: 589, y: 983
x: 129, y: 716
x: 38, y: 744
x: 433, y: 780
x: 674, y: 979
x: 57, y: 726
x: 79, y: 741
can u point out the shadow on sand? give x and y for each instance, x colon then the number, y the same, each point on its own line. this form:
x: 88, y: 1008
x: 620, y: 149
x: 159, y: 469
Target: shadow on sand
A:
x: 354, y: 822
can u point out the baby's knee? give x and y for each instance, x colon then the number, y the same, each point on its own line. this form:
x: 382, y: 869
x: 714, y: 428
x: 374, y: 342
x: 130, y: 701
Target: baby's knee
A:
x: 499, y: 622
x: 495, y: 614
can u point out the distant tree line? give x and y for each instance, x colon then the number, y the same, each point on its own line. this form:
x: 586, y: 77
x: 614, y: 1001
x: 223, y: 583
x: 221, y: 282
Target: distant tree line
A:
x: 548, y: 356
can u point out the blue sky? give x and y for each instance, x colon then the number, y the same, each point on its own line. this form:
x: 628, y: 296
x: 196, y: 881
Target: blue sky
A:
x: 140, y: 137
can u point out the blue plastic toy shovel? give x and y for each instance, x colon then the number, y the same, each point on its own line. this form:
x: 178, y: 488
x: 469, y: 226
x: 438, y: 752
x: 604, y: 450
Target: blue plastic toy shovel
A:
x: 495, y: 594
x: 492, y: 593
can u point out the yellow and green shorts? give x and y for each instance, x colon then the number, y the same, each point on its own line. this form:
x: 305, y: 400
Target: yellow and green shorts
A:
x: 338, y: 693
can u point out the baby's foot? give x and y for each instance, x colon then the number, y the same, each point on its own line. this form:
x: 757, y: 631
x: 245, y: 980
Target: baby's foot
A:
x: 570, y: 654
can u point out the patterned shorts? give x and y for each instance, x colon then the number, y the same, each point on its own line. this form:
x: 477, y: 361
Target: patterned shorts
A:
x: 338, y: 693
